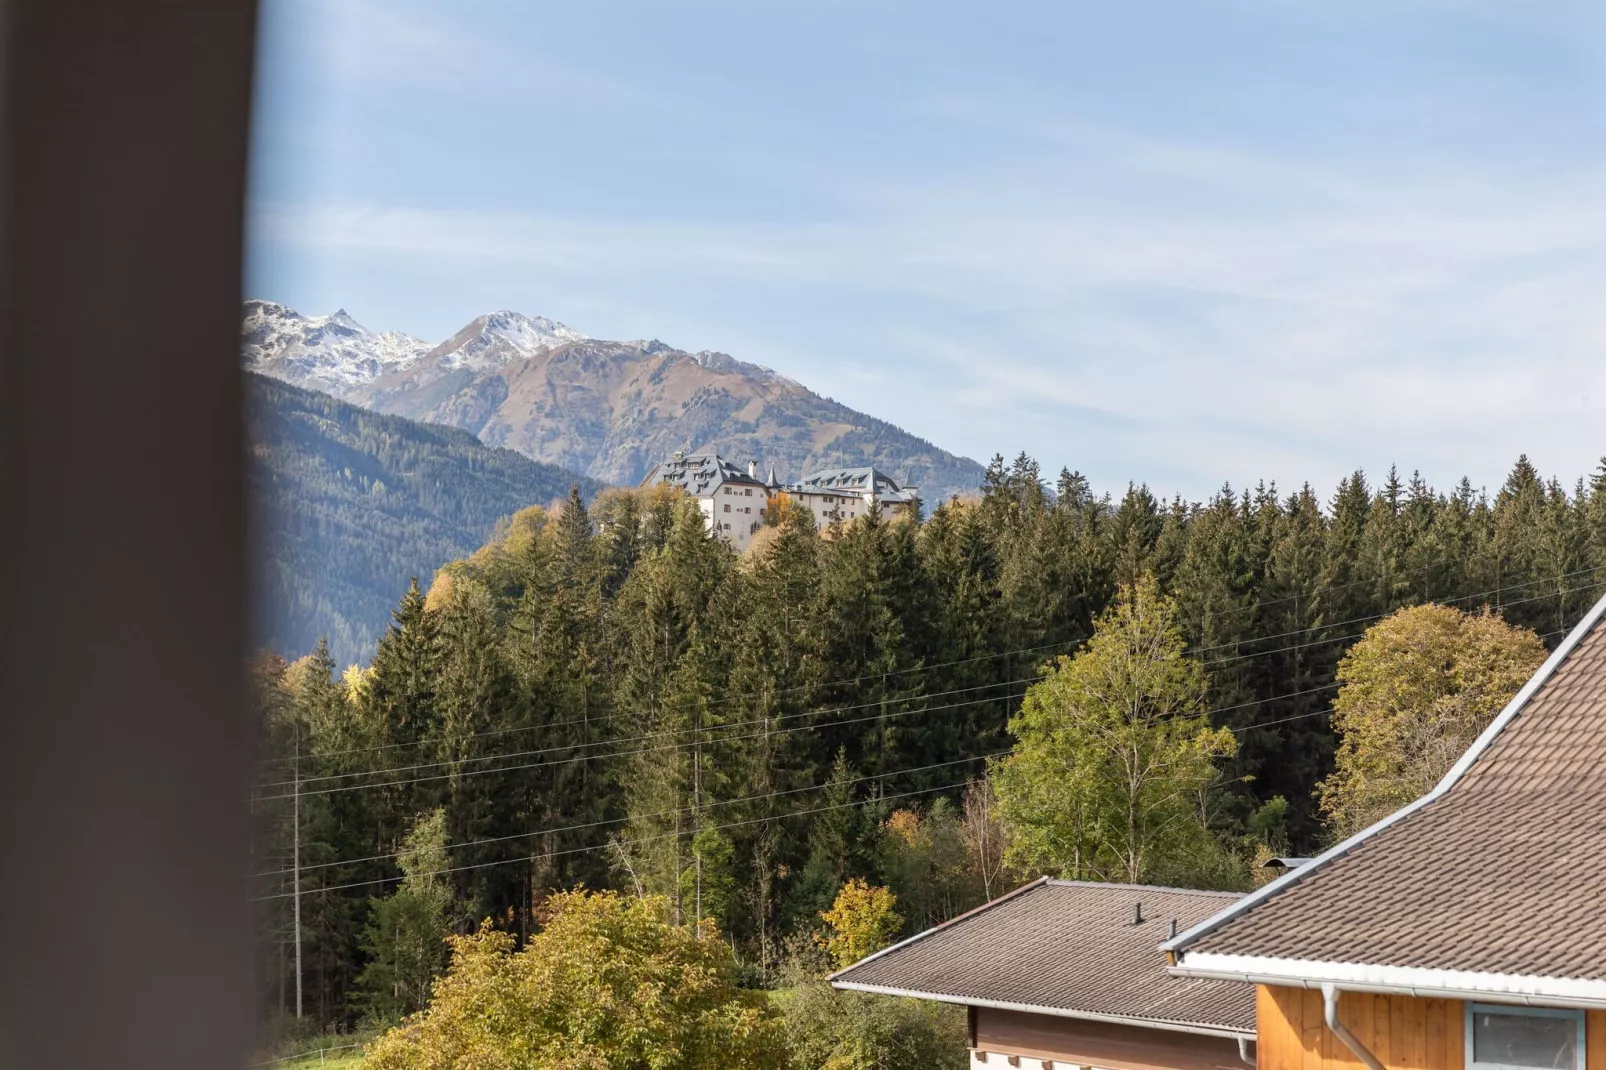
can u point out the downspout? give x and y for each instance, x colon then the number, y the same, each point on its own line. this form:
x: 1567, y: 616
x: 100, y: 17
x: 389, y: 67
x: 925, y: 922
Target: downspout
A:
x: 1243, y: 1052
x: 1330, y: 1002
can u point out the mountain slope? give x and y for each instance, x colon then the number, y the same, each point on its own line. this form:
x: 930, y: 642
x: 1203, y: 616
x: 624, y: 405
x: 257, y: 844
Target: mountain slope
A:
x: 350, y: 504
x: 608, y: 409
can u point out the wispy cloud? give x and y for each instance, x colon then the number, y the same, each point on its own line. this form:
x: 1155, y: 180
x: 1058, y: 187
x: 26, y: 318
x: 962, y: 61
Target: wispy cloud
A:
x: 1135, y: 299
x: 376, y: 46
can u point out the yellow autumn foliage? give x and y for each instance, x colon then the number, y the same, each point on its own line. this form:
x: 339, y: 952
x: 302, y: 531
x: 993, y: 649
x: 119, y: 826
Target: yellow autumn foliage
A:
x: 608, y: 984
x: 863, y: 920
x: 1414, y: 693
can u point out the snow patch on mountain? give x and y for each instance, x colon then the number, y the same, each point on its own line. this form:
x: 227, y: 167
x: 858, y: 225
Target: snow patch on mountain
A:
x: 724, y: 362
x: 334, y: 353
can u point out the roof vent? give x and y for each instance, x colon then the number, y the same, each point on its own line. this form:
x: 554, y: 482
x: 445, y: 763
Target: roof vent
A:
x: 1284, y: 864
x: 1171, y: 931
x: 1137, y: 913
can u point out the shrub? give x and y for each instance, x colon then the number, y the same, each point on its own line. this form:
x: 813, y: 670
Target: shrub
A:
x: 831, y: 1030
x: 609, y: 984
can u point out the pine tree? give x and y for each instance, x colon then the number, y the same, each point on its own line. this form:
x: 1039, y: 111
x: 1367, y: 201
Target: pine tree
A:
x: 401, y: 696
x: 481, y: 712
x: 777, y: 667
x: 870, y: 592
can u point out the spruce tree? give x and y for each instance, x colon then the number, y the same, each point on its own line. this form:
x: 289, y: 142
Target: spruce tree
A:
x: 402, y: 696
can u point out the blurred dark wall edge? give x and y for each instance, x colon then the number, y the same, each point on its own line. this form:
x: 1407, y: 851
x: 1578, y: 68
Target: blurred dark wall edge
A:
x: 124, y: 934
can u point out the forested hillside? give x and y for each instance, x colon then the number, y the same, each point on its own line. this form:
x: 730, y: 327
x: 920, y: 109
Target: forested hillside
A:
x: 607, y: 696
x: 349, y: 504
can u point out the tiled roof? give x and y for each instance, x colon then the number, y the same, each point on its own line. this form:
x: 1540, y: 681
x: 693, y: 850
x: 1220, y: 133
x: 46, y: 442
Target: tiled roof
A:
x: 857, y: 481
x: 1501, y: 872
x: 700, y: 473
x: 1067, y: 948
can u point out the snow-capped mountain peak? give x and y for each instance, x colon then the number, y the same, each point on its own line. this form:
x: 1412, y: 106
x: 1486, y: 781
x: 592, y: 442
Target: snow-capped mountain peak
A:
x: 504, y: 336
x: 338, y: 355
x: 343, y: 320
x: 333, y: 353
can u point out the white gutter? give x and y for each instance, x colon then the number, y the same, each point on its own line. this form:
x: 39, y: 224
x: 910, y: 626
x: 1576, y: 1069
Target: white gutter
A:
x: 1470, y: 985
x: 1058, y: 1012
x: 1184, y: 964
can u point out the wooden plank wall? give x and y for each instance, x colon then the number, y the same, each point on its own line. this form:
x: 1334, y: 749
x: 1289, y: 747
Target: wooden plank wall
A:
x: 1405, y: 1033
x: 1107, y: 1045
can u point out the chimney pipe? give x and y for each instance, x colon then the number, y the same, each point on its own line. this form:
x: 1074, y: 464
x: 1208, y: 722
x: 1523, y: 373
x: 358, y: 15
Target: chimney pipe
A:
x: 752, y: 469
x: 1137, y: 913
x: 1171, y: 934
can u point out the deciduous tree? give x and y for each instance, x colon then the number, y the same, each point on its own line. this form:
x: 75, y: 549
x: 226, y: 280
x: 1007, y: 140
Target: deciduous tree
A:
x: 1415, y: 692
x: 862, y: 921
x: 1114, y: 751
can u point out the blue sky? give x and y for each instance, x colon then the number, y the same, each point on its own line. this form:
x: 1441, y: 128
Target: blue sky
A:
x: 1183, y: 243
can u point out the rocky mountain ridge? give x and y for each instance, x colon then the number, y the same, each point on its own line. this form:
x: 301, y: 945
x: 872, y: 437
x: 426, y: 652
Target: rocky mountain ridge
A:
x: 608, y: 409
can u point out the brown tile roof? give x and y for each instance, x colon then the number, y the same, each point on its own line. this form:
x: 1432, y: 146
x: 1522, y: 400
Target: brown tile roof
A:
x: 1503, y: 872
x: 1068, y: 948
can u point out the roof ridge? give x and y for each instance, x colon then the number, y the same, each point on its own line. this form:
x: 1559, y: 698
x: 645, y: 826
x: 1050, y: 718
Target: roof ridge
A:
x: 1467, y: 760
x: 1212, y: 892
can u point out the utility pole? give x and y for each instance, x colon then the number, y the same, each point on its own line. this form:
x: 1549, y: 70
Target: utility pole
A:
x: 697, y: 811
x: 295, y: 862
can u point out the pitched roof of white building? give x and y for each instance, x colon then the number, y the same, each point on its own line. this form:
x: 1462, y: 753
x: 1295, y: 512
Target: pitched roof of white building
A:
x: 699, y: 474
x: 858, y: 481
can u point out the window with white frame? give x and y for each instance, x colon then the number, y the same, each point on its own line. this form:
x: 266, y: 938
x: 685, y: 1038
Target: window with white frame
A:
x: 1524, y: 1038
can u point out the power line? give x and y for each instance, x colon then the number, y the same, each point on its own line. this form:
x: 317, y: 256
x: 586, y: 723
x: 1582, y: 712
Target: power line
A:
x: 637, y: 817
x: 727, y: 739
x: 1378, y: 616
x: 722, y: 739
x: 617, y: 845
x: 734, y: 824
x: 1442, y: 601
x: 637, y: 739
x: 608, y: 719
x: 715, y: 741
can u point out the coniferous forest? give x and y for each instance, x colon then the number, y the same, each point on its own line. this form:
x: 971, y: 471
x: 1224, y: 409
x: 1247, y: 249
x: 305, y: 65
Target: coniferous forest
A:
x: 607, y: 697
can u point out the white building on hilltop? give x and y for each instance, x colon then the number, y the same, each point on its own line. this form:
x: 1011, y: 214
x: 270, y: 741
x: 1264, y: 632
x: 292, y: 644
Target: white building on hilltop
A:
x: 732, y: 500
x: 846, y: 493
